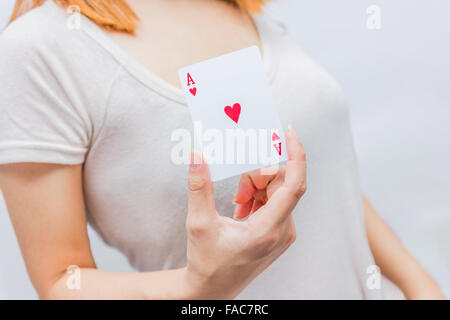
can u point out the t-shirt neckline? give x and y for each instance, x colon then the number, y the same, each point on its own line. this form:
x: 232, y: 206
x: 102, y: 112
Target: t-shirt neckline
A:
x: 154, y: 82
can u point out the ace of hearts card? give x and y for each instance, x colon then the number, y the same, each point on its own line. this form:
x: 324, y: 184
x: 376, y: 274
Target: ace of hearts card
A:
x: 236, y: 123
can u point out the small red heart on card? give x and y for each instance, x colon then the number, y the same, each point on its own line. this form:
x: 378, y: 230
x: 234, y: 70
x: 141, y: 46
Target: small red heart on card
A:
x: 234, y: 112
x: 275, y: 137
x: 193, y: 91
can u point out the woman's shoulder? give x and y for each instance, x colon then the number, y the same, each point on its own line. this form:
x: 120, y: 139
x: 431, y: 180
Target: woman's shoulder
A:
x: 38, y: 28
x: 43, y: 54
x: 291, y: 56
x: 295, y: 73
x: 52, y: 43
x: 52, y: 36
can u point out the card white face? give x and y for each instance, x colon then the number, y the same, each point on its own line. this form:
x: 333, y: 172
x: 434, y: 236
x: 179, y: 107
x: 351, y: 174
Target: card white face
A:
x: 236, y: 123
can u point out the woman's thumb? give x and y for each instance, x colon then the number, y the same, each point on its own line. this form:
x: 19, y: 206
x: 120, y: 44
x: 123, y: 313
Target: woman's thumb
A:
x: 201, y: 192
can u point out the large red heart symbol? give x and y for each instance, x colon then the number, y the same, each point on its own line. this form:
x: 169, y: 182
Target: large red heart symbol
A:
x: 193, y: 91
x: 234, y: 112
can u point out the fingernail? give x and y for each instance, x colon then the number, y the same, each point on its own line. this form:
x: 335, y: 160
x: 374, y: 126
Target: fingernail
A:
x: 196, y: 161
x: 292, y: 131
x: 195, y: 166
x: 235, y: 211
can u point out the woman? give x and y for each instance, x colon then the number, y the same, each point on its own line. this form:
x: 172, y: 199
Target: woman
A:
x: 87, y: 115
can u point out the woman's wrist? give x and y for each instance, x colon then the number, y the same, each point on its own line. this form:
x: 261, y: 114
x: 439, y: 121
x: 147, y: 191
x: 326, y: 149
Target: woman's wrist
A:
x: 174, y: 284
x: 425, y: 292
x: 202, y: 286
x: 419, y: 285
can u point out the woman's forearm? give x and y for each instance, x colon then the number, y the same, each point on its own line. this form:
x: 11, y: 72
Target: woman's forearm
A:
x: 91, y: 283
x: 394, y: 260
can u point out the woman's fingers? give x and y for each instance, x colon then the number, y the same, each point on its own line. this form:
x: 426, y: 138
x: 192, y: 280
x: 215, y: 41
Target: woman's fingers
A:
x: 246, y: 190
x: 285, y: 198
x: 251, y: 182
x: 292, y: 178
x: 257, y: 201
x: 295, y: 178
x: 243, y: 210
x: 277, y: 182
x: 201, y: 193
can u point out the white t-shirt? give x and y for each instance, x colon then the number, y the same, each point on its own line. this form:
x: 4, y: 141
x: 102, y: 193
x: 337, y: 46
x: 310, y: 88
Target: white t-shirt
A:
x: 73, y: 96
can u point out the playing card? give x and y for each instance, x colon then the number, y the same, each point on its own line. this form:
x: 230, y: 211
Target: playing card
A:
x: 236, y: 123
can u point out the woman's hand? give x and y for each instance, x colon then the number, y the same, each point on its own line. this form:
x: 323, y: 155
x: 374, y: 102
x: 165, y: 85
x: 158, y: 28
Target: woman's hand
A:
x: 224, y: 255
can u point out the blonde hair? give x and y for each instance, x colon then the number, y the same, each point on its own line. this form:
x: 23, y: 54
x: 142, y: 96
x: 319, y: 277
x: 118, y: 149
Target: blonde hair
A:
x: 114, y: 15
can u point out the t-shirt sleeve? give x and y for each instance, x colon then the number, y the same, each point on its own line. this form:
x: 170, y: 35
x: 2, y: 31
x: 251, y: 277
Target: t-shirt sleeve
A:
x: 40, y: 119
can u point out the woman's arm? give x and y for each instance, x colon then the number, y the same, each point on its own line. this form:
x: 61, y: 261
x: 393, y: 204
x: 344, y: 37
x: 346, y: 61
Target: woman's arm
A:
x: 46, y: 205
x: 394, y: 260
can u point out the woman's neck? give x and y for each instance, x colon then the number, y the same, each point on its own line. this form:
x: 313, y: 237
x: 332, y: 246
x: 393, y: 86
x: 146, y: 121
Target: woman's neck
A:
x: 176, y: 33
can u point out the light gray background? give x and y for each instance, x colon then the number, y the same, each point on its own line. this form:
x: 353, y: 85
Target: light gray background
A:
x: 397, y: 83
